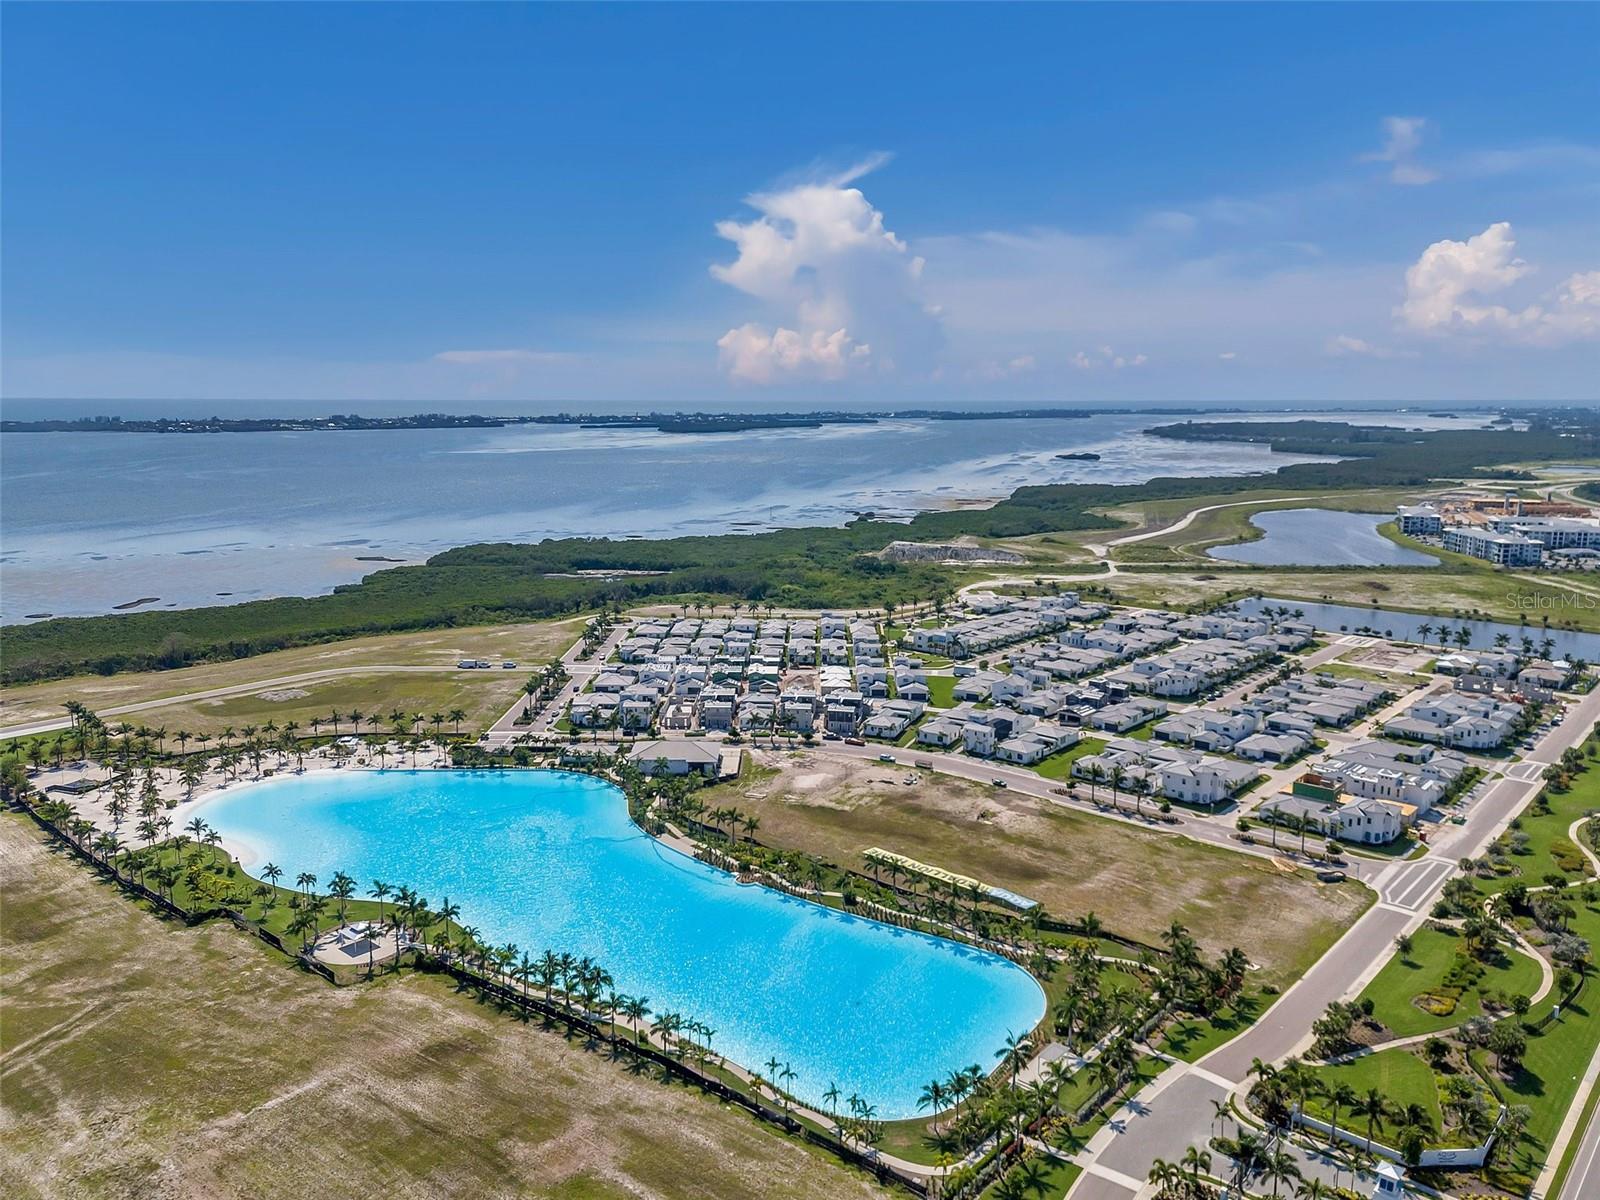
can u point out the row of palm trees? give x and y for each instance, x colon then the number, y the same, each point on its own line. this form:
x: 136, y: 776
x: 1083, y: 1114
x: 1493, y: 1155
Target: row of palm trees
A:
x: 1462, y: 637
x: 90, y: 736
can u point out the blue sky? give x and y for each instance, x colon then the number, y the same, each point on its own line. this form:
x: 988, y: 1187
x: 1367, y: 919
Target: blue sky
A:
x: 529, y: 206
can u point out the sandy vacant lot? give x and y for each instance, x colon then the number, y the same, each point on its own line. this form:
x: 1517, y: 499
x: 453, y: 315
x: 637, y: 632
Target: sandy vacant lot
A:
x: 1136, y: 881
x: 141, y: 1059
x: 531, y: 644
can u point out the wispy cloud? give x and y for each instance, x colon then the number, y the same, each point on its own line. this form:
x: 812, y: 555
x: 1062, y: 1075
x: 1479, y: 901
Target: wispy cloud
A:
x: 1402, y: 138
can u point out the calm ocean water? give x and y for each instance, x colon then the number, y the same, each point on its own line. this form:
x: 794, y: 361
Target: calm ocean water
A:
x: 92, y: 521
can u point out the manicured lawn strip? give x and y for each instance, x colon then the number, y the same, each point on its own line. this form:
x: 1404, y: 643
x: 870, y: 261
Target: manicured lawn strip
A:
x: 1558, y: 1052
x: 1432, y: 953
x: 1567, y: 1155
x: 912, y: 1139
x: 940, y: 689
x: 222, y: 880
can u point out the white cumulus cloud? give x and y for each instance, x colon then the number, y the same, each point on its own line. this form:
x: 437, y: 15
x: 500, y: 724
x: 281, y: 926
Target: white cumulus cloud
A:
x: 841, y: 290
x: 756, y: 355
x: 1449, y: 286
x: 1402, y: 138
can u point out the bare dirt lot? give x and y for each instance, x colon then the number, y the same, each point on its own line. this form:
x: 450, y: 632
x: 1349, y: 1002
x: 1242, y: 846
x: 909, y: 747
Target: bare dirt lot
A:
x: 1137, y: 882
x: 144, y: 1059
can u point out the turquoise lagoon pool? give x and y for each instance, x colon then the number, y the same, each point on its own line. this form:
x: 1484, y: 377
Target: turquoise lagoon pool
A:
x: 549, y: 859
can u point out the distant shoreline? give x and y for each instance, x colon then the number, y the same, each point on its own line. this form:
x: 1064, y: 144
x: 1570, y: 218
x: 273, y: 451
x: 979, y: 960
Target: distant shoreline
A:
x: 660, y: 422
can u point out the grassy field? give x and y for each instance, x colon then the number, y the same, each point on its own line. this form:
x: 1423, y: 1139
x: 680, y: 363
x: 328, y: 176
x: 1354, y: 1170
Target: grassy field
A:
x: 940, y: 688
x: 141, y: 1058
x: 530, y: 644
x: 1138, y: 882
x: 1423, y: 970
x: 482, y: 695
x: 1191, y: 1038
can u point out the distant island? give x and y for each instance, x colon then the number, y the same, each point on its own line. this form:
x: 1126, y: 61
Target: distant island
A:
x: 1079, y: 456
x: 338, y: 421
x: 662, y: 422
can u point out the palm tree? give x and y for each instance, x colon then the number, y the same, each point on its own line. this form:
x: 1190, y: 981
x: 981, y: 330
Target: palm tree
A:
x: 380, y: 892
x: 831, y: 1099
x: 1340, y: 1095
x: 933, y: 1096
x: 447, y: 912
x: 1374, y: 1107
x: 1196, y: 1163
x: 1014, y: 1052
x: 635, y: 1009
x: 1281, y: 1168
x: 272, y: 872
x: 341, y: 889
x: 458, y: 715
x: 1166, y: 1176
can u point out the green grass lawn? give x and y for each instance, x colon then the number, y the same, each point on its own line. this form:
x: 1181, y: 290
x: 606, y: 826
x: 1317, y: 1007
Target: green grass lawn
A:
x: 1055, y: 1179
x: 1191, y: 1038
x: 1433, y: 951
x: 913, y: 1139
x: 1401, y: 1075
x: 1059, y: 766
x: 940, y: 689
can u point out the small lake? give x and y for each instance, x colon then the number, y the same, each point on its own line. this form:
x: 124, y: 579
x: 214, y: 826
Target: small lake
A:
x: 1404, y: 626
x: 549, y: 859
x: 1321, y: 537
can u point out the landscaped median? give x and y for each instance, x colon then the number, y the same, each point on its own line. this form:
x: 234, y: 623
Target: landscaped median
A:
x: 1436, y: 982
